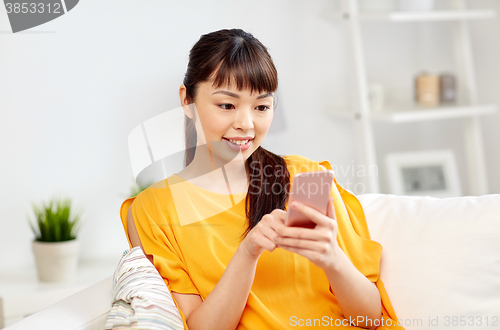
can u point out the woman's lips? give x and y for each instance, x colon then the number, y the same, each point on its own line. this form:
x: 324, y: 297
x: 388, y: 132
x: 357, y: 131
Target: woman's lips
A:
x: 236, y: 147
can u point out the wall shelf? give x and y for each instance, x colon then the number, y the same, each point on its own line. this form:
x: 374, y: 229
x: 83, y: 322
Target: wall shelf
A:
x: 470, y: 111
x: 418, y: 16
x: 415, y: 114
x: 441, y: 15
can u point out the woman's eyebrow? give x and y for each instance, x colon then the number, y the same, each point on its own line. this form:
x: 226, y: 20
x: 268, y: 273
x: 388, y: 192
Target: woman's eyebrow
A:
x: 263, y: 96
x: 227, y: 93
x: 237, y: 96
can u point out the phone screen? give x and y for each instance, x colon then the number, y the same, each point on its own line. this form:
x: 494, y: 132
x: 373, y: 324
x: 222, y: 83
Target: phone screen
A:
x: 313, y: 189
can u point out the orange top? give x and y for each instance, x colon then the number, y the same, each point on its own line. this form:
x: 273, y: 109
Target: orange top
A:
x: 192, y: 234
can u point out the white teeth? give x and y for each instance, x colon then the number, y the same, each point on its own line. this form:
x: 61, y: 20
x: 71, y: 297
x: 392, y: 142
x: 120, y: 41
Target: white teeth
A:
x: 239, y: 142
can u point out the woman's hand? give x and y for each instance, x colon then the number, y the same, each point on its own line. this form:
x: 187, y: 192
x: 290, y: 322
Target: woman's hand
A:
x: 319, y: 245
x: 262, y: 236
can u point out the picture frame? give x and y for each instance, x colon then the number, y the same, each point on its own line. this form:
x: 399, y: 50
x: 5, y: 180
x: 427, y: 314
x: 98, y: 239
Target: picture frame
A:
x: 424, y: 173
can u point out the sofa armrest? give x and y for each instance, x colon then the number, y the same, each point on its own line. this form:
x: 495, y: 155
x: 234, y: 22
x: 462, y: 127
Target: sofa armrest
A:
x: 85, y: 310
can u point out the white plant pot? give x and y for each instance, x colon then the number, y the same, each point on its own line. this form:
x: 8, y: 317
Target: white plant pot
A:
x: 56, y: 261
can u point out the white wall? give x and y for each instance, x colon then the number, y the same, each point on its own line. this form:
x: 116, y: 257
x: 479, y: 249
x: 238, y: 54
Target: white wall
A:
x: 72, y: 89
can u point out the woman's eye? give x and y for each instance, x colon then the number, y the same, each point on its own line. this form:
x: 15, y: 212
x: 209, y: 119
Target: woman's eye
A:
x: 262, y: 108
x: 226, y: 106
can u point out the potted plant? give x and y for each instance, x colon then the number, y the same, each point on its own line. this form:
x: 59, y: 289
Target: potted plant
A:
x: 55, y: 246
x: 137, y: 188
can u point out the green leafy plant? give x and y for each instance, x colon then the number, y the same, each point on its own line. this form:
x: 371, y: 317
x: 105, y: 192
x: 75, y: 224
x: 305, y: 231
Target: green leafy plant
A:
x: 55, y: 221
x: 137, y: 188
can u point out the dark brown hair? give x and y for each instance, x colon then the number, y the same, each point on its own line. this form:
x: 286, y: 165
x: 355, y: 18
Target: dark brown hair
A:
x: 235, y: 54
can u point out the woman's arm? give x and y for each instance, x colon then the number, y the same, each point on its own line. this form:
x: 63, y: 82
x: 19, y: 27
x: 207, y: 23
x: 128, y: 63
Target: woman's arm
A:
x: 133, y: 235
x: 358, y: 297
x: 223, y: 307
x: 187, y: 302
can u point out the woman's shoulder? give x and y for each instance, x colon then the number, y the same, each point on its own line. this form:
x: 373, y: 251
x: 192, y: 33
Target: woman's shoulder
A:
x: 153, y: 193
x: 299, y: 163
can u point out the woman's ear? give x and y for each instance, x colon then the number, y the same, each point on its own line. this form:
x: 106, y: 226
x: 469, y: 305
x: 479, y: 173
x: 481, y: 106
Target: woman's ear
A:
x: 184, y: 101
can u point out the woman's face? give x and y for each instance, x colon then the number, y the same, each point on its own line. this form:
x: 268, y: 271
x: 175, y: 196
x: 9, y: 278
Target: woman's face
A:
x: 231, y: 121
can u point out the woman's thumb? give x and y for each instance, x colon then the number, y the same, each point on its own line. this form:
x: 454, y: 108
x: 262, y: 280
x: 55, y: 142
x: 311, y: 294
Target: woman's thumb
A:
x: 330, y: 210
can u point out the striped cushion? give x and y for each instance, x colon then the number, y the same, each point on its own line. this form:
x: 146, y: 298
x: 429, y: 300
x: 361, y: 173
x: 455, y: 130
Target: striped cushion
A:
x: 141, y: 300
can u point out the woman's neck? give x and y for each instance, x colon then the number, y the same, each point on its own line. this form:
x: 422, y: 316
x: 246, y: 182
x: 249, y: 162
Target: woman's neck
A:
x: 213, y: 173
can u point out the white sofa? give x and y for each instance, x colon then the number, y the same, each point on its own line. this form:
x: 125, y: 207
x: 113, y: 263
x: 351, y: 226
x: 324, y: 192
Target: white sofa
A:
x: 440, y: 266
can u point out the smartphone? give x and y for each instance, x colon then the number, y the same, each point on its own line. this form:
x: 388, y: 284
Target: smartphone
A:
x: 313, y: 189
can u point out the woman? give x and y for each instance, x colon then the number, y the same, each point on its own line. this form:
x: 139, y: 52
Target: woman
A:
x: 215, y: 231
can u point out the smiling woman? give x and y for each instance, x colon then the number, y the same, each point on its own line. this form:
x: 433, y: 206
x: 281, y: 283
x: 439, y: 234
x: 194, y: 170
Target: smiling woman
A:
x: 238, y: 117
x: 231, y: 79
x: 215, y: 231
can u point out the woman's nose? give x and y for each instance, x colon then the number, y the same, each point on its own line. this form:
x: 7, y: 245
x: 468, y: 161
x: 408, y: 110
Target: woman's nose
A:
x: 244, y: 119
